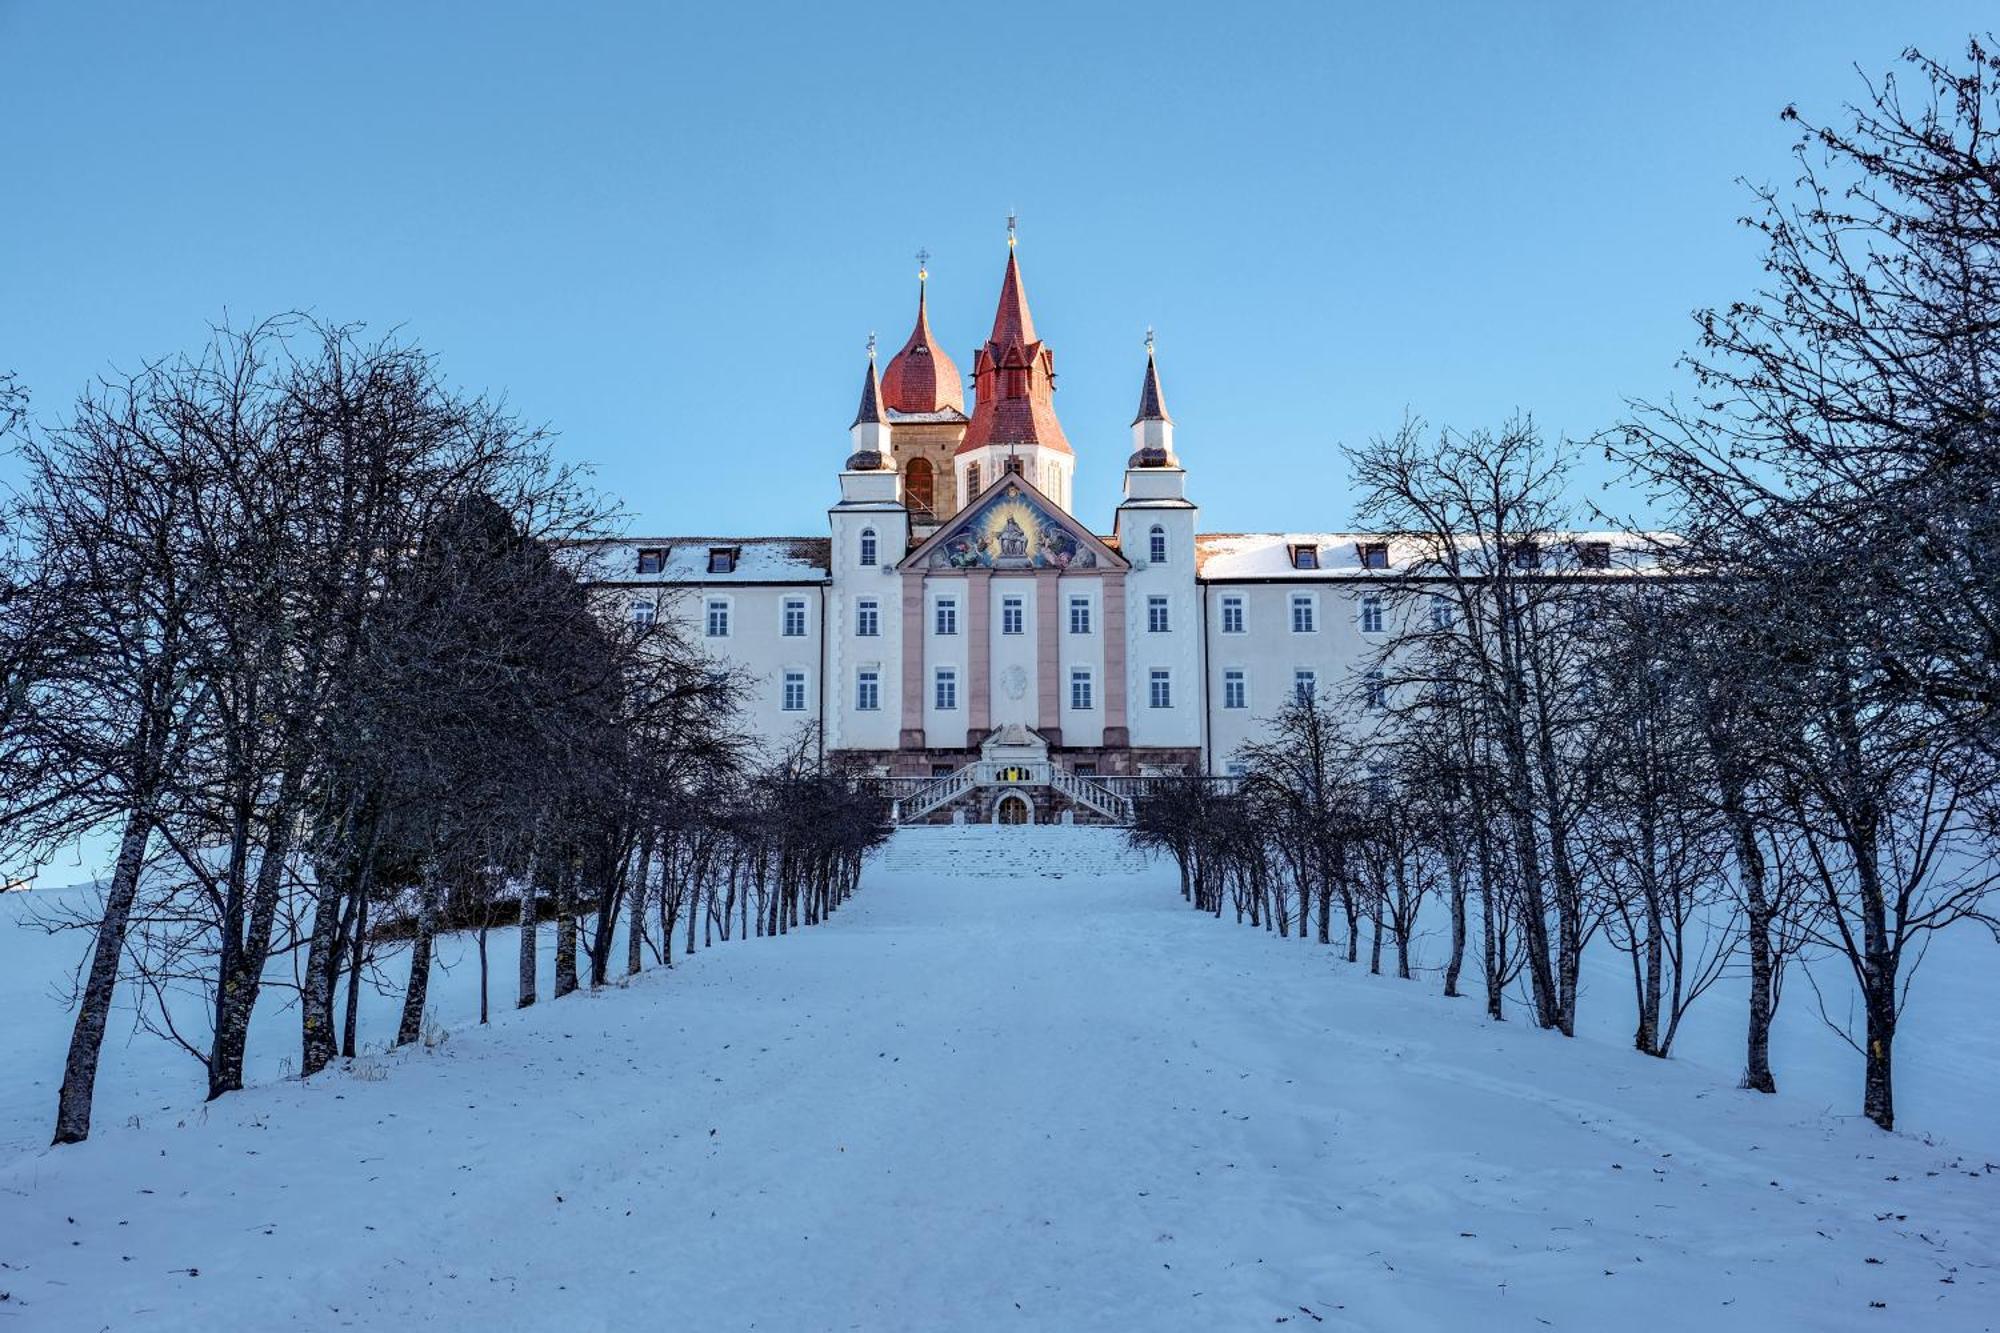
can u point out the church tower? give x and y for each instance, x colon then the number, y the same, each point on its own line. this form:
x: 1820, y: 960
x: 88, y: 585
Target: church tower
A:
x: 1014, y: 426
x: 925, y: 399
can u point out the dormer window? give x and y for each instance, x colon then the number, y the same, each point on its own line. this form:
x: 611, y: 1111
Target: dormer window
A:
x: 1305, y: 557
x: 1525, y: 555
x: 1593, y: 555
x: 1373, y: 555
x: 652, y: 559
x: 722, y: 559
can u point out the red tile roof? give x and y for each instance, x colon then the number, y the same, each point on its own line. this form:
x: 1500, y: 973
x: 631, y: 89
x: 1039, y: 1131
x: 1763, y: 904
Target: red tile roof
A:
x: 921, y: 378
x: 1013, y: 378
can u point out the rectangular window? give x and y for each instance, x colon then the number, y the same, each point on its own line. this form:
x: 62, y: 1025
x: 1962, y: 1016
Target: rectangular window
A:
x: 1079, y: 615
x: 1156, y: 615
x: 652, y: 559
x: 795, y: 618
x: 867, y: 618
x: 1232, y: 615
x: 1305, y: 684
x: 1011, y: 615
x: 1305, y: 557
x: 1441, y: 614
x: 795, y: 692
x: 1593, y: 555
x: 1079, y: 691
x: 718, y: 618
x: 1235, y: 689
x: 945, y: 689
x: 971, y: 482
x: 722, y: 559
x: 1374, y: 555
x: 1303, y: 621
x: 642, y: 613
x: 947, y: 616
x: 1377, y: 693
x: 1371, y: 614
x: 1160, y: 689
x: 1236, y: 769
x: 867, y: 690
x: 1526, y: 555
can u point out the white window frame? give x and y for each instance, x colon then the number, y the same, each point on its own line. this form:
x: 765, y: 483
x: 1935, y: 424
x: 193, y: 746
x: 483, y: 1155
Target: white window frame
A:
x: 944, y: 618
x: 1082, y: 685
x: 1305, y: 684
x: 868, y: 690
x: 944, y: 689
x: 1080, y: 603
x: 1443, y: 614
x: 868, y: 618
x: 1369, y: 613
x: 1235, y: 688
x: 792, y: 677
x: 1013, y: 614
x: 786, y: 606
x: 1375, y: 696
x: 871, y: 548
x: 1156, y: 545
x: 726, y: 607
x: 1234, y: 601
x: 1159, y: 688
x: 1159, y: 614
x: 644, y: 612
x: 1308, y: 602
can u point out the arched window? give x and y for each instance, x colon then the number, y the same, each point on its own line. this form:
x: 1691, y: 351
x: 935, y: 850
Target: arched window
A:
x: 918, y: 484
x: 1156, y: 545
x: 867, y: 546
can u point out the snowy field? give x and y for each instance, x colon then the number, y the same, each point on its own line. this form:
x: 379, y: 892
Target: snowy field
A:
x: 1051, y: 1101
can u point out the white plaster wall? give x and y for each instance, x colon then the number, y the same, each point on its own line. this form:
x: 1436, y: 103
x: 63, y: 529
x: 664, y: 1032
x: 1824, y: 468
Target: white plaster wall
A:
x: 946, y: 729
x: 1012, y: 653
x: 1081, y: 650
x: 1179, y: 649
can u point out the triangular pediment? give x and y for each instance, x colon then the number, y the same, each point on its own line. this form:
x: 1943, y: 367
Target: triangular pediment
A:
x: 1011, y: 525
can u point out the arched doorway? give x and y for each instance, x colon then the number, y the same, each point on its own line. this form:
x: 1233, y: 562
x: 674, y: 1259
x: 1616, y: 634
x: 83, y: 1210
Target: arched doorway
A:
x: 1013, y: 809
x: 919, y: 488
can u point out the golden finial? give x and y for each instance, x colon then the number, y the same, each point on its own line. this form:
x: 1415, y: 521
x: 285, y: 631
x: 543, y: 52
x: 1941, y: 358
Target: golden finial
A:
x: 923, y: 265
x: 871, y: 344
x: 1012, y: 222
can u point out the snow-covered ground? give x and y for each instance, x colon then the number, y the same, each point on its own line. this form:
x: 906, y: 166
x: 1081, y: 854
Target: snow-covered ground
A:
x: 1015, y: 1084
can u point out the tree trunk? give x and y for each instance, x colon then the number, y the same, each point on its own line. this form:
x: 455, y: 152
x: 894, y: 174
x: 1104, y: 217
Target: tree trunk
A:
x: 412, y: 1025
x: 566, y: 934
x: 94, y: 1011
x: 1456, y: 963
x: 525, y: 995
x: 359, y: 955
x: 635, y: 911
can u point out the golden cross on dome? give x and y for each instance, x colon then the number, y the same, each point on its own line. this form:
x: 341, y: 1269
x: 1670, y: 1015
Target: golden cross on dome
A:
x: 871, y: 344
x: 1149, y: 340
x: 923, y: 264
x: 1012, y: 223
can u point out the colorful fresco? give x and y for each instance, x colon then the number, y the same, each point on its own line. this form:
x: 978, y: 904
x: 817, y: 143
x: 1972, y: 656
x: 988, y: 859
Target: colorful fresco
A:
x: 1012, y: 531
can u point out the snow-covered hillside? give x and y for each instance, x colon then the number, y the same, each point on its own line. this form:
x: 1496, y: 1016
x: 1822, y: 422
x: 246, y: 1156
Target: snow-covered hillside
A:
x: 980, y: 1100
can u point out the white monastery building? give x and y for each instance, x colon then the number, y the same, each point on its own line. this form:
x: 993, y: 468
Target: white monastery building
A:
x: 966, y: 636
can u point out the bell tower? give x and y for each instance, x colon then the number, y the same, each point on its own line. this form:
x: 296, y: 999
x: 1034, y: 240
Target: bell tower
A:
x: 1014, y: 426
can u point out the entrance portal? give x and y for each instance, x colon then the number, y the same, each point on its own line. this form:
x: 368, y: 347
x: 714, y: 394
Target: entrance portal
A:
x: 1013, y: 809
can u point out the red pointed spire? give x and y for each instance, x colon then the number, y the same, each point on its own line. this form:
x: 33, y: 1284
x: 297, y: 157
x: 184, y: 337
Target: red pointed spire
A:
x: 1012, y: 324
x: 921, y: 378
x: 1013, y: 377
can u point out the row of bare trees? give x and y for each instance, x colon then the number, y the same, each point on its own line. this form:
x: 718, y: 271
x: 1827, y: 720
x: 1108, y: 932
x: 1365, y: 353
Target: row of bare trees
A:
x: 1775, y: 731
x: 310, y: 636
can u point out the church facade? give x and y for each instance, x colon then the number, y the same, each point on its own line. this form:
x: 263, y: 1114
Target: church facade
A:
x: 969, y: 639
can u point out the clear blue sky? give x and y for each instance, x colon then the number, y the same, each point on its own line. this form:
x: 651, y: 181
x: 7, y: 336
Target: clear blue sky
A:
x: 666, y: 231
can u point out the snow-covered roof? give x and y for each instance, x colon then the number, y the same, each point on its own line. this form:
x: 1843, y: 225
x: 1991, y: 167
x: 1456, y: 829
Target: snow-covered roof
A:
x: 689, y: 560
x: 1223, y: 556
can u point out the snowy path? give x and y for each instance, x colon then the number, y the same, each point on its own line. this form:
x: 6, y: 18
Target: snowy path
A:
x: 978, y: 1103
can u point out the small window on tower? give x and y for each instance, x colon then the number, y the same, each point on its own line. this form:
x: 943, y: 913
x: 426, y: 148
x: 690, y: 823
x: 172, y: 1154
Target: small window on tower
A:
x: 1014, y: 464
x: 971, y: 481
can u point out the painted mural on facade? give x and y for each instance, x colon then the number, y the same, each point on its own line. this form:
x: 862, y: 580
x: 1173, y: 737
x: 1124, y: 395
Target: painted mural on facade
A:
x: 1013, y: 531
